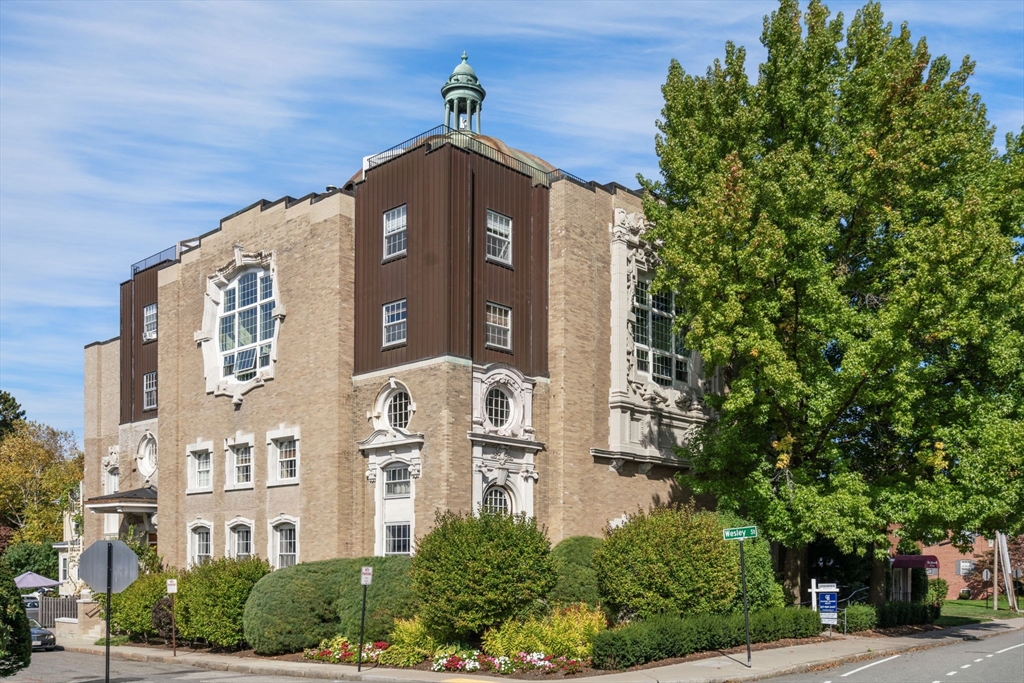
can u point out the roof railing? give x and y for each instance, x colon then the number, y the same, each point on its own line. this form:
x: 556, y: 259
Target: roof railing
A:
x: 168, y: 254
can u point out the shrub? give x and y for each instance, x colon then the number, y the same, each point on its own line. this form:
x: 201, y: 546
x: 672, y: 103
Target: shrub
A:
x: 15, y: 637
x: 763, y: 591
x: 905, y: 613
x: 670, y: 561
x: 938, y: 589
x: 163, y: 624
x: 40, y: 558
x: 566, y: 632
x: 389, y: 597
x: 211, y: 599
x: 861, y: 618
x: 474, y: 572
x: 133, y: 607
x: 669, y: 636
x: 298, y: 607
x: 575, y: 578
x: 411, y: 643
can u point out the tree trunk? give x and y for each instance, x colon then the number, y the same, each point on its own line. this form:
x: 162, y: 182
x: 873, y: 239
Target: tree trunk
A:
x: 876, y: 593
x: 794, y: 573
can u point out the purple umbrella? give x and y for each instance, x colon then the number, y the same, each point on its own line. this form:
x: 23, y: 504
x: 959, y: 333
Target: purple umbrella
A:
x: 33, y: 580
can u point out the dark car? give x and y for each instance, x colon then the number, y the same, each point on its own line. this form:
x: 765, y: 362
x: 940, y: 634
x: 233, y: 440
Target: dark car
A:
x: 42, y: 639
x: 31, y: 603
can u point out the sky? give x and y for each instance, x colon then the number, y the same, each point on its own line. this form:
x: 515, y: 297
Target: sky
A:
x: 128, y: 126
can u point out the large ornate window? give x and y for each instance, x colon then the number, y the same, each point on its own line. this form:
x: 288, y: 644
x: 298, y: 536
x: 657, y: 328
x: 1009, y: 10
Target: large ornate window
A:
x: 659, y: 349
x: 147, y: 455
x: 496, y: 501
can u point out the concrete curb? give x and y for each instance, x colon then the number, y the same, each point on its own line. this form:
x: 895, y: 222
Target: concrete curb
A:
x: 321, y: 671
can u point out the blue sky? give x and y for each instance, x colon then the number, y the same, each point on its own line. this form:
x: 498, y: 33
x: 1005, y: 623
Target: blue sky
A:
x: 125, y: 127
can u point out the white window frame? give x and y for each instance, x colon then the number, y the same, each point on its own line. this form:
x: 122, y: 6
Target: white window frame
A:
x: 399, y: 306
x: 510, y: 506
x: 232, y: 446
x: 499, y: 238
x: 489, y: 308
x: 395, y: 224
x: 193, y: 541
x: 274, y: 437
x: 193, y: 452
x: 960, y: 567
x: 149, y: 396
x: 229, y: 315
x: 273, y: 526
x: 231, y: 528
x: 149, y: 323
x: 389, y: 489
x: 511, y: 406
x: 408, y: 409
x: 680, y: 358
x: 407, y: 526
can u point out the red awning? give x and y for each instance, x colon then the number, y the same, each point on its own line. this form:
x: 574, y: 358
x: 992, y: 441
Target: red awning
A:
x: 915, y: 562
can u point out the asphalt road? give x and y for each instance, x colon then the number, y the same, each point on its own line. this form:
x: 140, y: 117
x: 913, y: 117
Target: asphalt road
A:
x: 999, y: 659
x: 76, y: 667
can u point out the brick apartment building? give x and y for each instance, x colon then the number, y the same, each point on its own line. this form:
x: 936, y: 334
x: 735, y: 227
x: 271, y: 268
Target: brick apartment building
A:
x: 461, y: 325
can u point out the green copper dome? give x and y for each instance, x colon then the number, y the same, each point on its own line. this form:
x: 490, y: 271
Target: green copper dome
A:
x: 463, y: 96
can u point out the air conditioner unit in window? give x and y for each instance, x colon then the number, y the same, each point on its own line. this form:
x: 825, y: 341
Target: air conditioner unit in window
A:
x: 148, y: 336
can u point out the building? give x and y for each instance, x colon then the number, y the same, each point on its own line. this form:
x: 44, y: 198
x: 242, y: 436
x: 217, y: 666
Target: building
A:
x: 461, y: 325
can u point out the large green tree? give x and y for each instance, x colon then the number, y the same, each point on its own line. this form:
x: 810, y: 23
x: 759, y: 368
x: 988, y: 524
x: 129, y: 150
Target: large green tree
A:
x: 841, y: 234
x: 10, y: 413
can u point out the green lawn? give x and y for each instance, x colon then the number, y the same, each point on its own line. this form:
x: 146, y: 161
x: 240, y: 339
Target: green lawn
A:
x: 960, y: 612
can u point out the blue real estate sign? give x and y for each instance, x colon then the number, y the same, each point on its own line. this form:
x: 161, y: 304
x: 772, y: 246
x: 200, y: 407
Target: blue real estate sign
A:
x: 828, y: 607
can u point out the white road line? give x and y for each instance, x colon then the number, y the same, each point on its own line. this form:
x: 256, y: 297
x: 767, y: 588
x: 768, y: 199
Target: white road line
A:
x: 869, y: 665
x: 1007, y: 649
x: 966, y: 666
x: 977, y: 660
x: 951, y: 673
x: 988, y: 655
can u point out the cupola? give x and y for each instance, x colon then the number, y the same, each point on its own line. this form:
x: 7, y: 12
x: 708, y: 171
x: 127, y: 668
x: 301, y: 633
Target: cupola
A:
x: 463, y: 96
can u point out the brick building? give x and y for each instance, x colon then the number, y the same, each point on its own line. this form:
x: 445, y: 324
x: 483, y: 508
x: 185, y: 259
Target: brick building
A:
x: 461, y: 325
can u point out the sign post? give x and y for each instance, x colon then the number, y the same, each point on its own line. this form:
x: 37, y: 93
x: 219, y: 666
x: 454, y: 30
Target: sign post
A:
x: 740, y: 533
x: 172, y: 588
x: 366, y: 578
x: 111, y: 565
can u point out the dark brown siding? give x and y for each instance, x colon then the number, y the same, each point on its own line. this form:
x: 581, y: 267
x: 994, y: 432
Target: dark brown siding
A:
x: 137, y: 358
x: 445, y: 276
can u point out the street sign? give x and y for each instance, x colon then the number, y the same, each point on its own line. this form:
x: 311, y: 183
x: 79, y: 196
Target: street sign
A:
x: 827, y: 587
x: 739, y: 533
x: 828, y: 607
x: 986, y: 575
x: 367, y: 576
x: 92, y: 566
x: 172, y: 586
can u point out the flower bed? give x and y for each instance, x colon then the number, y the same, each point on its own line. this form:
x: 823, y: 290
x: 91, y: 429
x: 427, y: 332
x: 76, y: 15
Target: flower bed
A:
x: 338, y: 650
x: 474, y: 660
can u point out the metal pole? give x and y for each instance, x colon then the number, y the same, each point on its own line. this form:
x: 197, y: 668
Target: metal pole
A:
x: 174, y: 630
x: 995, y: 574
x: 746, y: 611
x: 110, y: 573
x: 362, y: 623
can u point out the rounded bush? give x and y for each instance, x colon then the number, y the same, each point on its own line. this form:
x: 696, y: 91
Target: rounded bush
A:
x: 575, y: 578
x: 860, y: 618
x: 763, y: 591
x: 474, y: 572
x: 296, y: 607
x: 211, y: 599
x: 669, y: 561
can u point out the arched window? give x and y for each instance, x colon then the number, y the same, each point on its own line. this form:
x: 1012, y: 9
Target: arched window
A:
x: 246, y: 324
x: 399, y: 410
x: 241, y: 537
x: 287, y: 545
x: 498, y: 407
x: 201, y: 550
x: 496, y: 501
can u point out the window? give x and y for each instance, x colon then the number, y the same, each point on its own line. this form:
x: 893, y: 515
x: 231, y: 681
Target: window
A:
x: 499, y: 237
x: 964, y: 567
x: 398, y: 410
x: 243, y: 463
x: 498, y: 407
x: 397, y: 539
x: 394, y: 232
x: 242, y: 537
x: 246, y: 325
x: 496, y: 501
x: 63, y: 568
x: 201, y: 545
x: 287, y: 545
x: 149, y: 391
x: 498, y: 327
x: 397, y: 482
x: 659, y: 349
x: 394, y: 323
x: 203, y: 469
x: 287, y: 463
x: 149, y: 323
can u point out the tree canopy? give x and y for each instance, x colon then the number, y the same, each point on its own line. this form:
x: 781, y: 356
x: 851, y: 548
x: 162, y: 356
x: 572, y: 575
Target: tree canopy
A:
x: 844, y: 240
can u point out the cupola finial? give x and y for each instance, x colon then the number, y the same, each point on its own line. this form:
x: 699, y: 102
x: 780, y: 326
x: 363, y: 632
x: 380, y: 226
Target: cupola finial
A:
x: 463, y: 97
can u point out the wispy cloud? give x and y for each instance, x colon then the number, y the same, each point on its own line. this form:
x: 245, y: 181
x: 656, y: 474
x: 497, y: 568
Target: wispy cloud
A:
x: 127, y: 126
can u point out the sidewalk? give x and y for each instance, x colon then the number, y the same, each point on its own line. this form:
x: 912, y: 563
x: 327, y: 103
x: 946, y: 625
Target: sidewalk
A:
x: 766, y: 663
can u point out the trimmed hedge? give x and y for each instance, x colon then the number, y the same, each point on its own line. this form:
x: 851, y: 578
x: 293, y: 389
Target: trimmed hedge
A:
x: 861, y: 618
x: 473, y: 572
x: 211, y: 599
x: 906, y: 613
x: 575, y: 580
x: 665, y: 637
x: 297, y: 607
